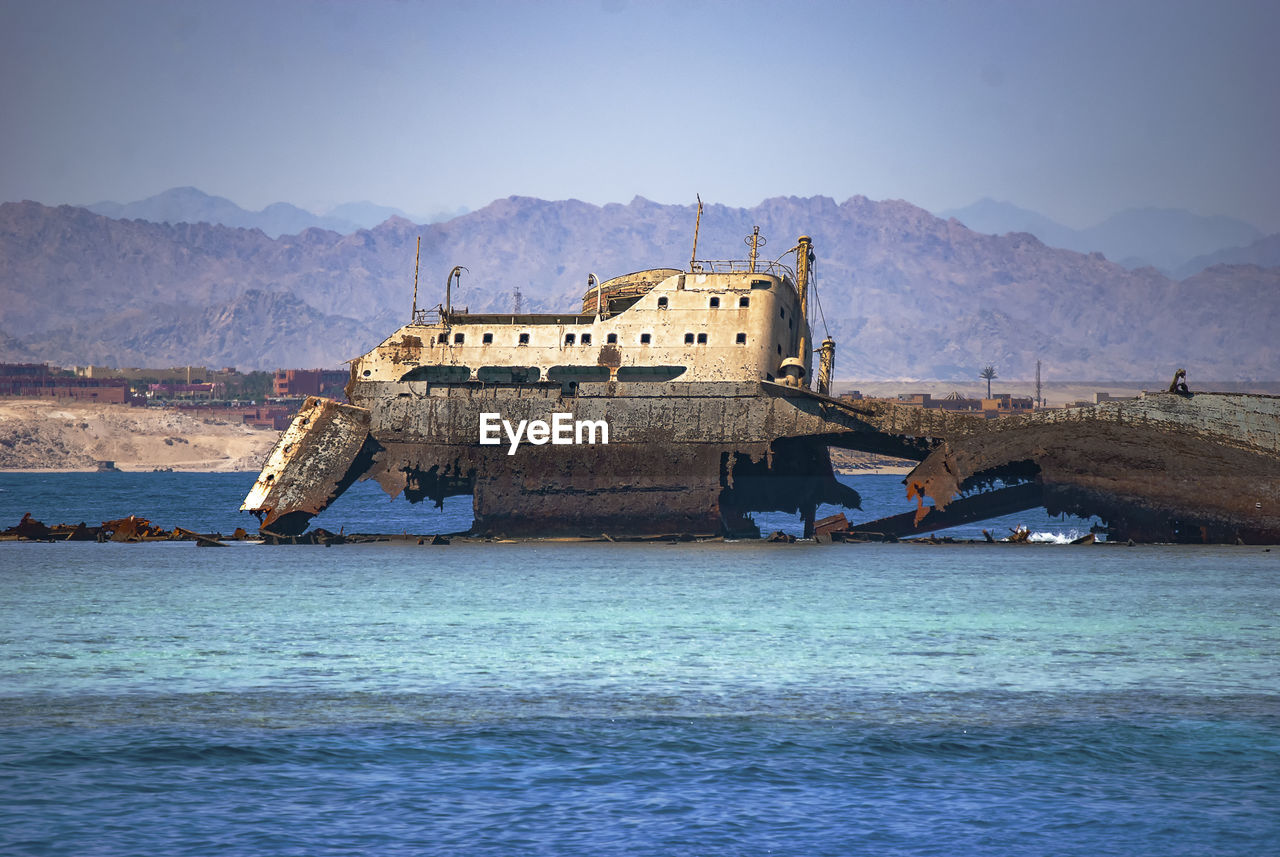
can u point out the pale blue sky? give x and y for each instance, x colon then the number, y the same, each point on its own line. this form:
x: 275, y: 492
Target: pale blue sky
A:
x: 1074, y: 109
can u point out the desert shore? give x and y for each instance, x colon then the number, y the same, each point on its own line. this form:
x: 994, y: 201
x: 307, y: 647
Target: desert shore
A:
x: 51, y: 436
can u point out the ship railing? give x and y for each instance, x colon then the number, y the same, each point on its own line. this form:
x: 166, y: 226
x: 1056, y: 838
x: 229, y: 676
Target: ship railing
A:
x: 741, y: 266
x: 427, y: 316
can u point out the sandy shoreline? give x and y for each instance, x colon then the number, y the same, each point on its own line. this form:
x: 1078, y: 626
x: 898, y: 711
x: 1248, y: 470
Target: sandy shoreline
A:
x: 44, y: 435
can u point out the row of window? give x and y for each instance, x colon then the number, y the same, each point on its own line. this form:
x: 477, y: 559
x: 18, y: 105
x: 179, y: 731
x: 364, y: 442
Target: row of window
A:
x: 714, y: 303
x: 583, y: 339
x: 451, y: 374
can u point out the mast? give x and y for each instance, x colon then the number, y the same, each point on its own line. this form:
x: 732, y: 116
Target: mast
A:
x: 804, y: 255
x: 417, y: 254
x: 696, y: 223
x: 755, y: 242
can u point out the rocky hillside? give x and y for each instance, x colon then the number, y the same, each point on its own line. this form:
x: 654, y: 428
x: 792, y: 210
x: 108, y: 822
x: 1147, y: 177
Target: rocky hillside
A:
x: 905, y: 294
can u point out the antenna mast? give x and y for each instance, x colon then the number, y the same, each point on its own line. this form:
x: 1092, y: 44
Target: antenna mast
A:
x: 696, y: 223
x: 413, y: 315
x: 755, y: 242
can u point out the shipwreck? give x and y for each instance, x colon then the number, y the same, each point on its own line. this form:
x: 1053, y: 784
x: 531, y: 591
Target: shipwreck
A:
x: 682, y: 400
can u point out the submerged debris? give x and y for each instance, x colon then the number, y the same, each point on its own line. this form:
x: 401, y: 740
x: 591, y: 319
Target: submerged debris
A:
x: 130, y: 529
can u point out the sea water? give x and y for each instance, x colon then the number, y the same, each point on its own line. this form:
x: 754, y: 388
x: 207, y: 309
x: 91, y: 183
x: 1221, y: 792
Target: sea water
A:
x: 568, y: 698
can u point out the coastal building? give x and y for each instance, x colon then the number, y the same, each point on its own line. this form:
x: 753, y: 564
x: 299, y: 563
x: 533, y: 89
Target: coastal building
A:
x: 297, y: 383
x: 42, y: 381
x: 999, y: 405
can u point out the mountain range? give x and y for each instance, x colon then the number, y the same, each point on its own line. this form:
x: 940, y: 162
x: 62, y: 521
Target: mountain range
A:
x: 191, y: 205
x: 904, y: 293
x: 1165, y: 238
x: 1177, y: 242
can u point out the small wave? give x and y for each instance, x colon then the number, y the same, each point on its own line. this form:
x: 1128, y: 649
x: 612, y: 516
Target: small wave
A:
x: 1055, y: 538
x: 1051, y: 538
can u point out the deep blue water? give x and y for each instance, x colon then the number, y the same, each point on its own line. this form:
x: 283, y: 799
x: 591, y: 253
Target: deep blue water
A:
x: 552, y: 698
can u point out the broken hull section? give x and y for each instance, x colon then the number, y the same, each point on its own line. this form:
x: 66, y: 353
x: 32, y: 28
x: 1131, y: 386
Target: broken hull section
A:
x: 1166, y: 467
x: 324, y: 450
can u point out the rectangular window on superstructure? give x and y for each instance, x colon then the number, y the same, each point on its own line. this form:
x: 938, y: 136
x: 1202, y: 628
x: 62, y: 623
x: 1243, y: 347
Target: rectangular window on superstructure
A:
x: 611, y: 339
x: 487, y: 339
x: 662, y: 302
x: 744, y: 301
x: 586, y: 339
x: 443, y: 339
x: 568, y: 339
x: 644, y: 338
x: 524, y: 339
x: 702, y: 339
x: 688, y: 339
x: 742, y: 339
x: 715, y: 303
x: 459, y: 338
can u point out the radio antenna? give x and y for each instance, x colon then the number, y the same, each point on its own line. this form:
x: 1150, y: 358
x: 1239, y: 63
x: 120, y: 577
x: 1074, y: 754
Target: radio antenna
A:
x: 416, y: 256
x: 696, y: 223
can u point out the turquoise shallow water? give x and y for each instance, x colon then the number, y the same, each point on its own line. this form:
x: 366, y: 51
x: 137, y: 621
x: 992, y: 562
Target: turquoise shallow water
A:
x: 720, y: 699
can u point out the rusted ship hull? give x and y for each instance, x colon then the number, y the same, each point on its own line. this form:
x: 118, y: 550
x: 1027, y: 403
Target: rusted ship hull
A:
x: 1165, y: 467
x: 691, y: 459
x: 1201, y: 468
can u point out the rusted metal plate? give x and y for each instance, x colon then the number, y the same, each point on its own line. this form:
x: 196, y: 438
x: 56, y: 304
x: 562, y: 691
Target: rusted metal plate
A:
x: 1165, y: 467
x: 321, y: 453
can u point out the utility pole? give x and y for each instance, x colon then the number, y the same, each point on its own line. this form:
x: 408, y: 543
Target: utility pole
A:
x: 1039, y: 397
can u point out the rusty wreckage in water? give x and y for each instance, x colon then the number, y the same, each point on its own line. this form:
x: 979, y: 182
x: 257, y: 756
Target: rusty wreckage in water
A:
x: 679, y: 402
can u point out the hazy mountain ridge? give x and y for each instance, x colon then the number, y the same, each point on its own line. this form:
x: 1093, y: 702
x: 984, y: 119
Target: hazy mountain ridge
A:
x: 1168, y: 239
x: 1265, y: 253
x: 191, y: 205
x: 904, y: 293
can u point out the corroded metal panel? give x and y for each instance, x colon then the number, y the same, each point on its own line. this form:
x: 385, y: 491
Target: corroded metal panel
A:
x: 325, y: 449
x: 1164, y: 467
